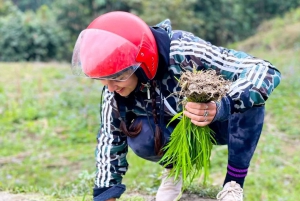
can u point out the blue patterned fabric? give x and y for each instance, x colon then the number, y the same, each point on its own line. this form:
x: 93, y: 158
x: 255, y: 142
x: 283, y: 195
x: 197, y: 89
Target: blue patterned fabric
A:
x: 143, y: 144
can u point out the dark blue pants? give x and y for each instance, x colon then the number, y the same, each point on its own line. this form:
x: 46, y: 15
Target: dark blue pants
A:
x: 240, y: 132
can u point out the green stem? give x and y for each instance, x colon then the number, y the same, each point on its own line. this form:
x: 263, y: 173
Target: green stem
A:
x: 189, y: 151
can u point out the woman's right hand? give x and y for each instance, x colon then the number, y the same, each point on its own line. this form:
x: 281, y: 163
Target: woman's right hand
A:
x: 201, y: 114
x: 111, y: 199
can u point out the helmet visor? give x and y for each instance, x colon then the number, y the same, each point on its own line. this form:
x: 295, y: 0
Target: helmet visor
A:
x: 101, y: 55
x: 122, y: 75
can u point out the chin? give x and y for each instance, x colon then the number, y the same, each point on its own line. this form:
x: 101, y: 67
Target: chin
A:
x: 124, y: 94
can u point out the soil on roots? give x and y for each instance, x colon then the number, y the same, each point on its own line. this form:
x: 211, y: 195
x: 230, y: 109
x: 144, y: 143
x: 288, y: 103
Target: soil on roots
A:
x: 203, y: 86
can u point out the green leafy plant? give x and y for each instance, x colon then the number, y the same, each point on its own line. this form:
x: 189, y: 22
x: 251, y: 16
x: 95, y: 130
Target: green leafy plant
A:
x: 190, y: 146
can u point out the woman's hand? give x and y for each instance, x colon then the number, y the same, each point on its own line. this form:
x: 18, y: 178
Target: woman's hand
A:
x: 201, y: 114
x: 111, y: 199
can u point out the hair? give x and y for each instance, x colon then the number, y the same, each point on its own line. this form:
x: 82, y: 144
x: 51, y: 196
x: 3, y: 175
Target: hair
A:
x: 157, y: 132
x: 133, y: 131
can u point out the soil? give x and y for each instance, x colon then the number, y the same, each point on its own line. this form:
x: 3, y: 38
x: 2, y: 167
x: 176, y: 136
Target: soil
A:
x: 193, y: 197
x: 203, y: 86
x: 185, y: 197
x: 5, y: 196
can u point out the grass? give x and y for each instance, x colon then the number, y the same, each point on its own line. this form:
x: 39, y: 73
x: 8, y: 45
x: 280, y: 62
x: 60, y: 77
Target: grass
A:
x: 41, y: 142
x: 275, y: 165
x: 49, y: 120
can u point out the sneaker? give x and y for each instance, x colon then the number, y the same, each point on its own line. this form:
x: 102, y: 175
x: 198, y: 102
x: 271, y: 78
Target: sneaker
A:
x: 169, y: 190
x: 232, y: 191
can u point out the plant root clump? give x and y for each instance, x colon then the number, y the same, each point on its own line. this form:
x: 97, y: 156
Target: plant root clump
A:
x: 203, y: 86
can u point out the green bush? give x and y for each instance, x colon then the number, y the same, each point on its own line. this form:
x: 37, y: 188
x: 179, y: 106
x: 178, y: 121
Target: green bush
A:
x: 31, y: 36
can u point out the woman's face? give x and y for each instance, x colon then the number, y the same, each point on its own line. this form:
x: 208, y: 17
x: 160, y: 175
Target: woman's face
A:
x: 124, y: 88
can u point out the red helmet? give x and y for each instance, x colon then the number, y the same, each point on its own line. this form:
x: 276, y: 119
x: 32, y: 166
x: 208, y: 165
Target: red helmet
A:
x: 115, y: 43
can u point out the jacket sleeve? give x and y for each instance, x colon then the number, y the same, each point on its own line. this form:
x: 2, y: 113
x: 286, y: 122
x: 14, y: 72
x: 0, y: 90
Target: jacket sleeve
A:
x: 253, y: 79
x: 111, y: 151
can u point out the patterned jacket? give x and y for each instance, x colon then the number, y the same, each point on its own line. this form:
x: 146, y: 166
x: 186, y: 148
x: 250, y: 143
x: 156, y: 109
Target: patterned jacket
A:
x: 253, y: 80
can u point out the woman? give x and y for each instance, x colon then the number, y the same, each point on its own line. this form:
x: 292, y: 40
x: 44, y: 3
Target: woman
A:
x: 139, y: 67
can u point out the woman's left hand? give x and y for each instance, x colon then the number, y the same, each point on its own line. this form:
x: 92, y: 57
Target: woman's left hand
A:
x: 201, y: 114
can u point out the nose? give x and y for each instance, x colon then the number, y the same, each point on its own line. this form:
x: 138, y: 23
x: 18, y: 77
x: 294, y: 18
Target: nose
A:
x: 111, y: 85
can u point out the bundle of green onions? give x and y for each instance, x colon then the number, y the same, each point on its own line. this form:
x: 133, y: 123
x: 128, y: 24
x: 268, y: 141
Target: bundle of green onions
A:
x: 189, y: 148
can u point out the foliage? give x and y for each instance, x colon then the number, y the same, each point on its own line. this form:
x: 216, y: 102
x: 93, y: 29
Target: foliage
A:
x: 32, y: 36
x: 7, y: 7
x: 49, y: 121
x: 227, y: 21
x: 278, y: 41
x: 182, y: 17
x: 188, y: 151
x: 52, y: 127
x: 74, y: 16
x: 43, y: 135
x: 189, y: 148
x: 24, y: 5
x: 48, y: 129
x: 285, y: 29
x: 218, y: 21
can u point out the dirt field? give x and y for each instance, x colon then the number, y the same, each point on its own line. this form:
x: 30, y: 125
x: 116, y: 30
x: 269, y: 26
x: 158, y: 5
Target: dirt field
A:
x: 5, y: 196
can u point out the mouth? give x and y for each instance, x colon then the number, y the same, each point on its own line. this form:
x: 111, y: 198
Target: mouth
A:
x: 120, y: 90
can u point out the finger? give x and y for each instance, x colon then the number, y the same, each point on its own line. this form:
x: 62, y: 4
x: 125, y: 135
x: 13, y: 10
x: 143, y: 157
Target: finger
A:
x: 201, y: 124
x: 199, y: 118
x: 193, y: 116
x: 194, y: 111
x: 198, y: 106
x: 204, y: 112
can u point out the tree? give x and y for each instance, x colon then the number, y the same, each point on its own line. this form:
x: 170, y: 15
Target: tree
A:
x: 33, y: 5
x: 32, y: 36
x: 178, y: 11
x: 75, y: 15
